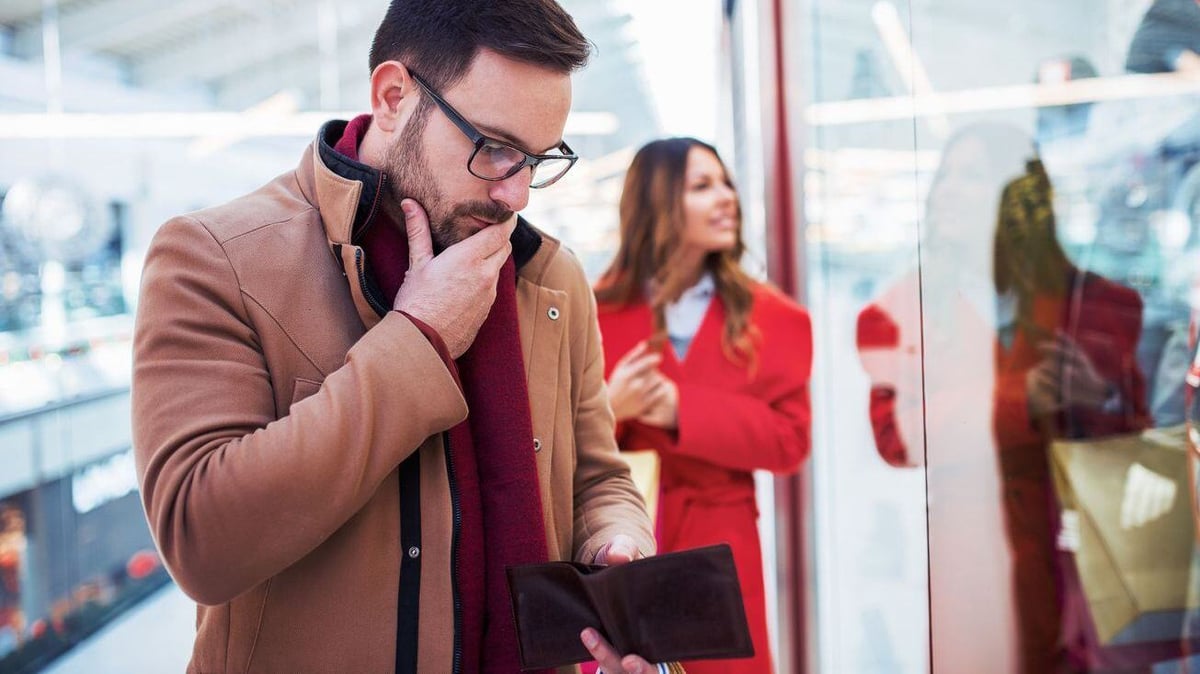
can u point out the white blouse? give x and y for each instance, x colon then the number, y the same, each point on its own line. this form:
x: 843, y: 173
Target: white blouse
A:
x: 685, y: 315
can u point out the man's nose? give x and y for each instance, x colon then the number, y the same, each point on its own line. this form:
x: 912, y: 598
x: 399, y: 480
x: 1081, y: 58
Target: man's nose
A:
x: 513, y: 192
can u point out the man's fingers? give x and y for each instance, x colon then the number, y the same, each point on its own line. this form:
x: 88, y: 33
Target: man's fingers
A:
x: 420, y: 242
x: 637, y: 665
x: 499, y: 255
x: 607, y: 657
x: 620, y: 549
x: 509, y: 226
x: 494, y: 263
x: 483, y: 244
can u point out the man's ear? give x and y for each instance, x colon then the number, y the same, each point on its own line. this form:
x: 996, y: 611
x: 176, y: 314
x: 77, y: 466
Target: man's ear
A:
x: 393, y: 93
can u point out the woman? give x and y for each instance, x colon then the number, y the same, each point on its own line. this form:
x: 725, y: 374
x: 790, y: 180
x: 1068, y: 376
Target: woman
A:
x: 1066, y: 368
x: 705, y: 365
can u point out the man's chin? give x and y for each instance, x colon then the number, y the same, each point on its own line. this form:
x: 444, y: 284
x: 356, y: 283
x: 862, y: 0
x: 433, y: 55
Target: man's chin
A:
x: 448, y: 234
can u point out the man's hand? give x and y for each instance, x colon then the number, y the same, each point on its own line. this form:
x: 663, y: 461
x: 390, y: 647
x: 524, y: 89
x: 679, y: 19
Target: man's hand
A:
x: 610, y: 660
x: 633, y: 382
x: 454, y: 291
x: 619, y: 550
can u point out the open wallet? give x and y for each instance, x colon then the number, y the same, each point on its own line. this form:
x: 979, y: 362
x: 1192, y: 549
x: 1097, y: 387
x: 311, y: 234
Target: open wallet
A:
x: 676, y: 606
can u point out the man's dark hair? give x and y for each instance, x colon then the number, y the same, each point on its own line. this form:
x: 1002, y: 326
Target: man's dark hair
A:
x: 438, y: 39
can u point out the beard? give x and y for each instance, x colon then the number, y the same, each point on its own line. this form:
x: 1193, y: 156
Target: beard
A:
x: 410, y: 178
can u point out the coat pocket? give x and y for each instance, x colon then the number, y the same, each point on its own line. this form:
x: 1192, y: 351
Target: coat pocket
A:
x: 303, y: 389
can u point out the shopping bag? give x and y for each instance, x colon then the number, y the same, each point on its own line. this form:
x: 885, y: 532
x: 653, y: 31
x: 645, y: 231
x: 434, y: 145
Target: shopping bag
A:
x: 1132, y: 498
x: 644, y: 467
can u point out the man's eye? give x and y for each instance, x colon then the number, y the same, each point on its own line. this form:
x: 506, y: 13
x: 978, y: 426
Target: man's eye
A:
x: 495, y: 148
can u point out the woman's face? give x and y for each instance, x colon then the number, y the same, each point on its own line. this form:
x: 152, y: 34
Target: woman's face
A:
x: 962, y: 205
x: 710, y: 206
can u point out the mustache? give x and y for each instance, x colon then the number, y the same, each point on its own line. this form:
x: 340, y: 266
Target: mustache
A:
x: 489, y: 211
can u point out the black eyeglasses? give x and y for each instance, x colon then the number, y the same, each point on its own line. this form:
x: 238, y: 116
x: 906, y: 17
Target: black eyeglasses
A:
x: 496, y: 160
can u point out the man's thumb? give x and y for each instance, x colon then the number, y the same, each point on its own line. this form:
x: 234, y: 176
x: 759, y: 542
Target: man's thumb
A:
x: 416, y: 223
x: 618, y: 551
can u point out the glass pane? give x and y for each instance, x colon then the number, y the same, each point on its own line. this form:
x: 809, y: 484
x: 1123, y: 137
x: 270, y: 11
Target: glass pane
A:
x: 1016, y: 264
x: 864, y: 242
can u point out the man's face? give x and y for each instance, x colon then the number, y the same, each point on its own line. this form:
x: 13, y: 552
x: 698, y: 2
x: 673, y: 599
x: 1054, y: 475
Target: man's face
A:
x: 522, y: 104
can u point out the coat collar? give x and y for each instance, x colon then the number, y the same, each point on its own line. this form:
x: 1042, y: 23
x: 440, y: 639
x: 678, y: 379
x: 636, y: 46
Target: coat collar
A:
x: 347, y: 193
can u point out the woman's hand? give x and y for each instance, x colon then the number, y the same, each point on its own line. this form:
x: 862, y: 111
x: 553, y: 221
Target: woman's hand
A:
x: 663, y: 408
x: 632, y: 382
x: 1065, y: 376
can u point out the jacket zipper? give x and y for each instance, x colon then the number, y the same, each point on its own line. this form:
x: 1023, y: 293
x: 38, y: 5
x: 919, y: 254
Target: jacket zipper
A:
x: 358, y: 255
x: 457, y: 512
x: 378, y: 194
x: 362, y: 283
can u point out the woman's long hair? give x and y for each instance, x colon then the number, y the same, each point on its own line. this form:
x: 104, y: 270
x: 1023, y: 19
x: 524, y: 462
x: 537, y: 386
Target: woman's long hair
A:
x: 646, y: 265
x: 1029, y: 260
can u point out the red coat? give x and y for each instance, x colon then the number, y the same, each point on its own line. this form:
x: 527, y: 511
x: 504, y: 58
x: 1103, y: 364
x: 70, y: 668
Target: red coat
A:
x: 731, y: 422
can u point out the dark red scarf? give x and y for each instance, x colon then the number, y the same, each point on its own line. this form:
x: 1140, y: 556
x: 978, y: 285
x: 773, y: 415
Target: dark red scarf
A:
x: 491, y: 453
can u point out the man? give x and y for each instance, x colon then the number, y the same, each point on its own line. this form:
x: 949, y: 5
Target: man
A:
x: 305, y: 364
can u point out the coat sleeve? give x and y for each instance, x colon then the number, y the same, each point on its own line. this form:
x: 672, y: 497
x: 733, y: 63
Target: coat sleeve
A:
x: 232, y: 494
x: 606, y: 501
x: 894, y: 400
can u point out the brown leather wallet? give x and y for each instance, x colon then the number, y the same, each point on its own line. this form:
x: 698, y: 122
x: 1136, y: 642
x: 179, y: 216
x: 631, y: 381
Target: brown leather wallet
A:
x: 677, y: 606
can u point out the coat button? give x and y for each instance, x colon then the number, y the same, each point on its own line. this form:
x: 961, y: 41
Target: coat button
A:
x: 414, y: 552
x: 537, y: 445
x: 553, y: 313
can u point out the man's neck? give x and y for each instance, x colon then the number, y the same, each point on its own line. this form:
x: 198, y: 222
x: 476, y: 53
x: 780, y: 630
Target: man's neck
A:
x: 372, y: 152
x: 373, y: 148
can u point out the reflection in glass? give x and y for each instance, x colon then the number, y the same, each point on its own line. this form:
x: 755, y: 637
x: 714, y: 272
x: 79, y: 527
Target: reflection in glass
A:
x: 13, y: 553
x: 928, y: 345
x: 1066, y: 368
x: 1167, y: 39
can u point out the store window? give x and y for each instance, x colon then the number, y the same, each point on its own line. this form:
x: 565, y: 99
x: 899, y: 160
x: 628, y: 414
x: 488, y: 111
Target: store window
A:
x: 1001, y: 211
